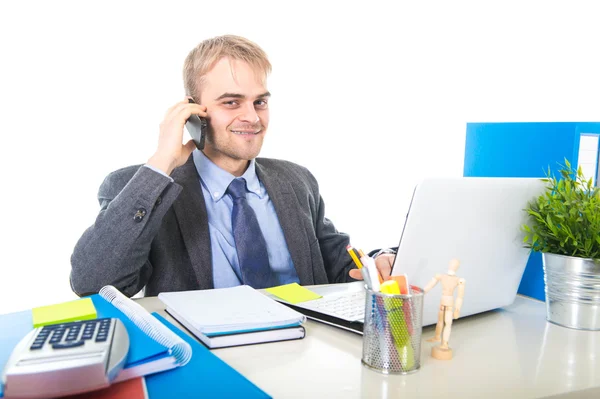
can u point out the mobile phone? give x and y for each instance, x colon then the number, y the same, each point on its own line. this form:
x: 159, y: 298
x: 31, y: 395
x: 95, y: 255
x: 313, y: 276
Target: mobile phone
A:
x: 197, y: 127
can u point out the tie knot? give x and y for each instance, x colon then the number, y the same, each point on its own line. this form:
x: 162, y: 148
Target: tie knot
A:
x: 237, y: 189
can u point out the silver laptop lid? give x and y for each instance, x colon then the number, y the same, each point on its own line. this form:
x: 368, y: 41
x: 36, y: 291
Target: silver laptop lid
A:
x: 477, y: 221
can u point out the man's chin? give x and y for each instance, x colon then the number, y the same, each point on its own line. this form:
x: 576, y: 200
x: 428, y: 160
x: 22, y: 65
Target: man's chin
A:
x: 249, y: 154
x: 239, y: 154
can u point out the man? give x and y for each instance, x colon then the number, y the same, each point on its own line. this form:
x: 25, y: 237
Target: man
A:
x: 220, y: 217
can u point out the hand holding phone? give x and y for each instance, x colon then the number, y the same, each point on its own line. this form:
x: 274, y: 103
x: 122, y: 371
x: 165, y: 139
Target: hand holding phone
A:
x: 170, y: 152
x: 197, y: 127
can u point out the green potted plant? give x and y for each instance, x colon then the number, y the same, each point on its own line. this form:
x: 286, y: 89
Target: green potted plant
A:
x: 564, y: 225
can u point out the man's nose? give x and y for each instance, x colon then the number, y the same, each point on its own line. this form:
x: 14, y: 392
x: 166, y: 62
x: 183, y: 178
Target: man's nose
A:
x: 248, y: 114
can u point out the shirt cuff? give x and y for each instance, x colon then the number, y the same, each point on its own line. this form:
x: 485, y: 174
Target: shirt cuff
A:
x: 384, y: 251
x: 159, y: 171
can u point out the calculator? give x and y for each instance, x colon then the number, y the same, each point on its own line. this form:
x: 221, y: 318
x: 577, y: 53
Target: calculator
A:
x: 65, y: 359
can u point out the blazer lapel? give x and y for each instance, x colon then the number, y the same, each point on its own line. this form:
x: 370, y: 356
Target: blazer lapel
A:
x: 190, y: 210
x: 286, y: 206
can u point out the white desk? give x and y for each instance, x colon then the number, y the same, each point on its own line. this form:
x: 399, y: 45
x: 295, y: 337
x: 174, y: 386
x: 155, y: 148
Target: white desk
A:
x: 508, y: 353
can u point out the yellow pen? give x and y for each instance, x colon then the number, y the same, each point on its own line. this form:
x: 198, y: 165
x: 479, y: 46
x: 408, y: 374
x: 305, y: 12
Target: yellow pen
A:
x: 354, y: 257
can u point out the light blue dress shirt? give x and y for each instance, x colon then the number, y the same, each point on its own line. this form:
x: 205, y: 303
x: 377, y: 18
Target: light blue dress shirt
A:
x: 226, y: 269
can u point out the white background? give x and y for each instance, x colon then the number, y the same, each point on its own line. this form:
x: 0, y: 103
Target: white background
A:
x: 370, y: 96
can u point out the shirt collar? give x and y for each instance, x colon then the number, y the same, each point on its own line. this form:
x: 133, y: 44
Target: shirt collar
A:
x: 216, y: 180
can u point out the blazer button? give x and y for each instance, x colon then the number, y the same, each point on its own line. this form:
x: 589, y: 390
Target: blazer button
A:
x: 139, y: 215
x: 157, y: 203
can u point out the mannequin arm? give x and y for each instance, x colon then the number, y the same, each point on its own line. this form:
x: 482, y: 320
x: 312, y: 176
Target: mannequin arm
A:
x: 432, y: 283
x: 459, y: 297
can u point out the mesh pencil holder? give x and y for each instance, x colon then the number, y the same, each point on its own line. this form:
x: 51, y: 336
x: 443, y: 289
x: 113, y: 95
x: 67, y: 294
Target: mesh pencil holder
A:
x: 392, y: 331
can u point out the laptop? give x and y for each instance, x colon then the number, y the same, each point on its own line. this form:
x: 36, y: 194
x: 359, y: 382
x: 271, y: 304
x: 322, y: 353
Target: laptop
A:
x: 473, y: 219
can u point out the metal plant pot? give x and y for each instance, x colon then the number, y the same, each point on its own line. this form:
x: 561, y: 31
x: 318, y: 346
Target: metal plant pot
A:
x: 572, y: 291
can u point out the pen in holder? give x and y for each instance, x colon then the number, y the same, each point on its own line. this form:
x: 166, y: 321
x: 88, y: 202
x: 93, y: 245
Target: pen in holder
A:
x: 392, y: 331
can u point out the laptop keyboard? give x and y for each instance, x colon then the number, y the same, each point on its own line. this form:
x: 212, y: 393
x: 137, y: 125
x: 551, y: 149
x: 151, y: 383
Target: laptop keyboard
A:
x: 348, y: 306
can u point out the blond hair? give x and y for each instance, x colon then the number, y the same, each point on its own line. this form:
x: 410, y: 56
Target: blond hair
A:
x: 206, y: 54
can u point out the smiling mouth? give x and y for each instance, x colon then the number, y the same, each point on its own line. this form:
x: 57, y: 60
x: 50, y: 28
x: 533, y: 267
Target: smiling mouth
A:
x: 246, y: 133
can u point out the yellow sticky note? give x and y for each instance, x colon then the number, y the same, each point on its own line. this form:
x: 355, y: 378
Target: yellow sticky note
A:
x: 80, y: 309
x: 293, y: 293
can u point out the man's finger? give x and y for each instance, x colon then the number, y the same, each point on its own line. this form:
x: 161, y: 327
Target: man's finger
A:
x: 356, y: 274
x: 384, y: 265
x: 179, y: 104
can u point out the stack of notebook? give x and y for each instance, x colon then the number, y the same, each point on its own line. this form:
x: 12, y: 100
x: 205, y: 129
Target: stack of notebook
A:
x: 233, y: 316
x: 163, y: 361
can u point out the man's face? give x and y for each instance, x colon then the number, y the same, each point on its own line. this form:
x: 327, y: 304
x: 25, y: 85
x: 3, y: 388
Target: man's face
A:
x: 238, y: 115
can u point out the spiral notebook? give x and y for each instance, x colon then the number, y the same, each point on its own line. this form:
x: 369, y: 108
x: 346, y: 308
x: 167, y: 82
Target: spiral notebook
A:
x: 153, y: 347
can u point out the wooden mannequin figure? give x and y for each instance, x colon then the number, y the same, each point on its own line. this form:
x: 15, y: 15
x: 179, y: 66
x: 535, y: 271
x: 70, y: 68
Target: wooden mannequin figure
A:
x: 448, y: 309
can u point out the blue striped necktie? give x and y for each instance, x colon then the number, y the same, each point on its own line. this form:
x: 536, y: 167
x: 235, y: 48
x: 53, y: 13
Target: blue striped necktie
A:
x: 249, y: 240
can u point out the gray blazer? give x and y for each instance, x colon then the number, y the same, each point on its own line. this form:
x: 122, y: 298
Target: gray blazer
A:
x: 153, y: 233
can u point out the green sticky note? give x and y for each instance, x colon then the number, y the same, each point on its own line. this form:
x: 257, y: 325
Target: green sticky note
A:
x: 80, y: 309
x: 293, y: 293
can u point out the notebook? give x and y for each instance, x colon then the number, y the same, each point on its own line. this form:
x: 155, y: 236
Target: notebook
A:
x: 233, y: 316
x: 153, y: 347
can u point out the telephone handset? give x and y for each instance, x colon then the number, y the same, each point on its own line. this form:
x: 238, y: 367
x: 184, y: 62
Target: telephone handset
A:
x: 197, y: 127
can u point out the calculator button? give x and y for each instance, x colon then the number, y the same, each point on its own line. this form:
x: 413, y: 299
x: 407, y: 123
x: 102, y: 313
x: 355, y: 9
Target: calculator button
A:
x: 101, y: 338
x: 87, y: 336
x: 71, y: 337
x: 36, y: 346
x: 56, y: 337
x: 68, y: 345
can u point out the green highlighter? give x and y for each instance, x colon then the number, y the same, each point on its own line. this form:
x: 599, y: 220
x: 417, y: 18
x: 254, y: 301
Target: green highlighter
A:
x: 397, y: 323
x: 80, y: 309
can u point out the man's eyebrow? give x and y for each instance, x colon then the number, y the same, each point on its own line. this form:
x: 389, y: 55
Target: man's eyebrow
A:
x: 241, y: 96
x: 229, y: 95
